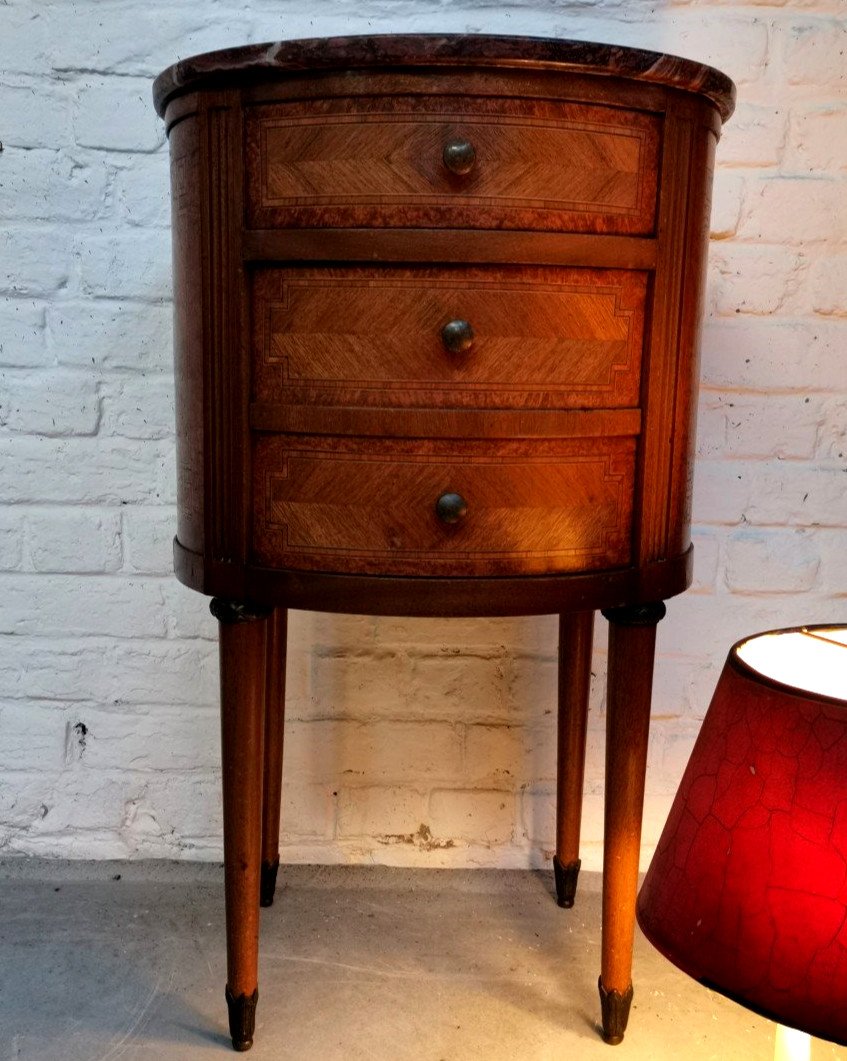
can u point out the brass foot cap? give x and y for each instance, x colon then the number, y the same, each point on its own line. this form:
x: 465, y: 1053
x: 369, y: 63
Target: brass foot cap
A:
x: 242, y: 1019
x: 566, y: 875
x: 268, y: 882
x: 614, y: 1006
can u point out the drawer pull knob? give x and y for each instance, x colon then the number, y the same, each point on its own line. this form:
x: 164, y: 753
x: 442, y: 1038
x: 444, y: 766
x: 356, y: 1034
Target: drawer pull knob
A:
x: 457, y: 336
x: 459, y: 157
x: 451, y: 508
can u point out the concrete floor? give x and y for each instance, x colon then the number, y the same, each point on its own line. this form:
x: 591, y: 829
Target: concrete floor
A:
x: 357, y: 963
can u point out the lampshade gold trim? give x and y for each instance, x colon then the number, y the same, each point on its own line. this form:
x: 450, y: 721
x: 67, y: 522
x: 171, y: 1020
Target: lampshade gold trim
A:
x: 745, y: 670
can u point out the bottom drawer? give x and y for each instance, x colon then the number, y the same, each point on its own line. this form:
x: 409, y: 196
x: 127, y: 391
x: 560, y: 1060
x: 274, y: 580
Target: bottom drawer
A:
x: 370, y: 506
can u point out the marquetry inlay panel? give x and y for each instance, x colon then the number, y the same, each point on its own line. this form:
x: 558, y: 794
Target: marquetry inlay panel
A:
x: 539, y: 164
x: 365, y: 506
x: 543, y: 338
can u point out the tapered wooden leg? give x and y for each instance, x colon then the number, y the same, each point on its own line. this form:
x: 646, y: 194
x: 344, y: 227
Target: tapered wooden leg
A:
x: 575, y: 638
x: 243, y: 641
x: 274, y: 728
x: 632, y: 642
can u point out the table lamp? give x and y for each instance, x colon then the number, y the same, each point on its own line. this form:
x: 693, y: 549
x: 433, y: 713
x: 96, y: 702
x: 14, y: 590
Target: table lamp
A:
x: 747, y: 891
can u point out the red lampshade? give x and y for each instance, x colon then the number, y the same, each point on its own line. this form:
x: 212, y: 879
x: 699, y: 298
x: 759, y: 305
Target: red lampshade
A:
x: 747, y: 891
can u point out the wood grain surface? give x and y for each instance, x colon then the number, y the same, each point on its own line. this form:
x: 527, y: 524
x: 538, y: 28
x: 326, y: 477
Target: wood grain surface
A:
x: 447, y: 246
x: 369, y: 506
x: 281, y: 60
x: 444, y: 423
x: 543, y: 338
x: 378, y: 162
x: 189, y: 350
x: 273, y: 339
x: 337, y: 452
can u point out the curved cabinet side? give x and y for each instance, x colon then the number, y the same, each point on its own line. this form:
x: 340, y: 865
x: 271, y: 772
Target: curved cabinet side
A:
x: 705, y: 138
x: 188, y: 336
x: 671, y: 356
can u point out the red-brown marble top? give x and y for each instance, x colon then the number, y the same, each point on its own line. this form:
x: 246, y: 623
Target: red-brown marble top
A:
x: 479, y: 50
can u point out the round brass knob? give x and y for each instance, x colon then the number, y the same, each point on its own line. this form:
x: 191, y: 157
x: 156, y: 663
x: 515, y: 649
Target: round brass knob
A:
x: 457, y: 336
x: 459, y: 157
x: 451, y: 508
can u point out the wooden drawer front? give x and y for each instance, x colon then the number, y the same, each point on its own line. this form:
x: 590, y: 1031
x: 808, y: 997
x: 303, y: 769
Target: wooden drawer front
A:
x: 539, y: 164
x: 543, y: 337
x: 367, y: 506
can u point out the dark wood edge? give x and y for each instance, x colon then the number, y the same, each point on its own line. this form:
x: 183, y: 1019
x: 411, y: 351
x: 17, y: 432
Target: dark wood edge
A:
x: 449, y: 245
x: 746, y: 671
x: 281, y: 58
x: 226, y: 348
x: 189, y: 567
x: 445, y: 597
x: 180, y: 109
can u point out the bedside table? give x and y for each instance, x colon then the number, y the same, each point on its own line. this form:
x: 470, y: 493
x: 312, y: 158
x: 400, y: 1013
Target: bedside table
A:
x: 437, y: 302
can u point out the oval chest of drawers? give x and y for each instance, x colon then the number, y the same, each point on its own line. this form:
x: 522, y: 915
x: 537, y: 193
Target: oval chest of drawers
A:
x: 437, y: 302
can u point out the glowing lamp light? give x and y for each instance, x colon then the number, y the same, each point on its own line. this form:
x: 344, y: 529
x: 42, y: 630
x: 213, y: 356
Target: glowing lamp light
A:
x: 747, y: 891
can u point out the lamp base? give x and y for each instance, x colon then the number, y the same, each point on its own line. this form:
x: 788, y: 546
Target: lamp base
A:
x: 614, y: 1007
x: 566, y: 875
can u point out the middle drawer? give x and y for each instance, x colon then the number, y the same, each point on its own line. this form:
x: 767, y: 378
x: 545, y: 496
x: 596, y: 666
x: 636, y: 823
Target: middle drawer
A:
x: 474, y: 337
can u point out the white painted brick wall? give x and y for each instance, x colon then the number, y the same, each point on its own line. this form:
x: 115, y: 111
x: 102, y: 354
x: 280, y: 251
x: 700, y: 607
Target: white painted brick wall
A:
x: 414, y: 742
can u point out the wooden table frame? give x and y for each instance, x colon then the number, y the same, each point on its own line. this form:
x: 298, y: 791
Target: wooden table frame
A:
x: 252, y: 661
x: 623, y: 257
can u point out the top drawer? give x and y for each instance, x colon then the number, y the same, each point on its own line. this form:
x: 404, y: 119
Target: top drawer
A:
x: 392, y: 161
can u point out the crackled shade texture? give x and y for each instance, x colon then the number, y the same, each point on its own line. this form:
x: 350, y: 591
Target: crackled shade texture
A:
x: 747, y: 891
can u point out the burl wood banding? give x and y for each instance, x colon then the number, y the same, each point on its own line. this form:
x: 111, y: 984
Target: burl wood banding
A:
x: 423, y: 267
